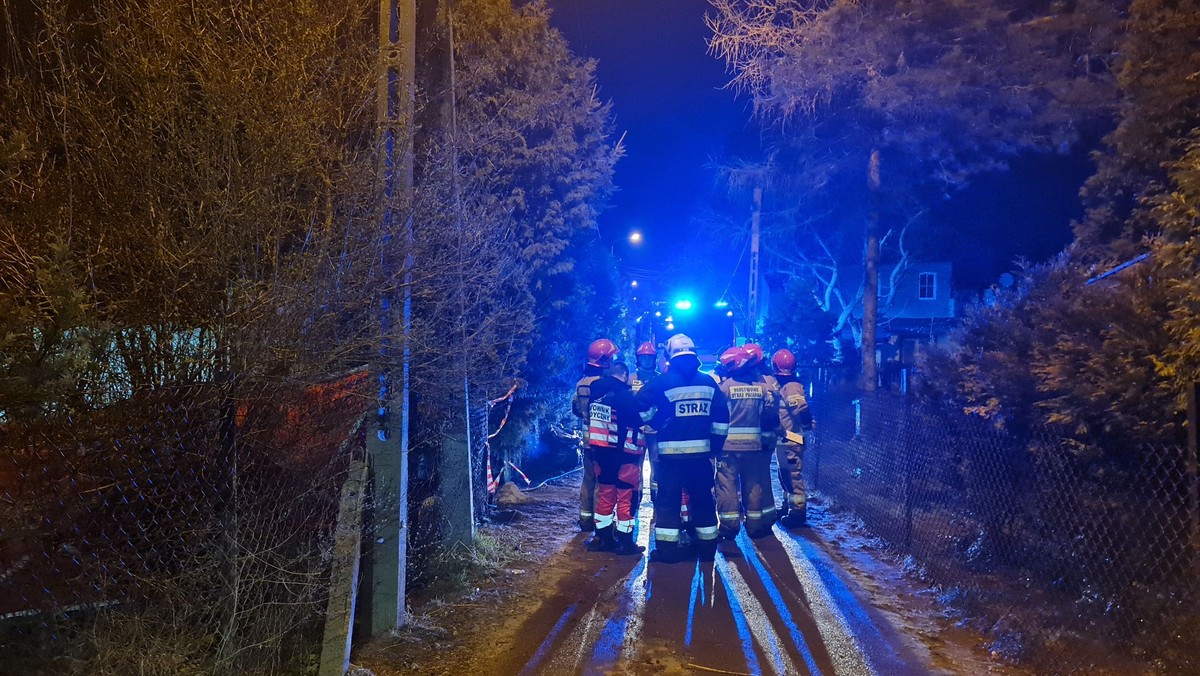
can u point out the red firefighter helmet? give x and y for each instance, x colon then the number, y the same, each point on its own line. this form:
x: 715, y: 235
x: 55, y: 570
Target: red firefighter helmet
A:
x: 755, y: 352
x: 784, y: 362
x: 646, y: 348
x: 601, y: 353
x: 734, y: 358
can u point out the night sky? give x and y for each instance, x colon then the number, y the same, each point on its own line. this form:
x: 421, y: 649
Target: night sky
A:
x: 668, y: 99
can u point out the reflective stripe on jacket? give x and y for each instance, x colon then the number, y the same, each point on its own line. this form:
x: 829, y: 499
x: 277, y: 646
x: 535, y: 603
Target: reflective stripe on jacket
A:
x: 794, y: 415
x: 690, y: 412
x: 748, y: 397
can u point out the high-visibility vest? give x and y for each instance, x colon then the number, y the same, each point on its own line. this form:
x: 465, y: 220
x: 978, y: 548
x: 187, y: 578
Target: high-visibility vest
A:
x: 602, y: 425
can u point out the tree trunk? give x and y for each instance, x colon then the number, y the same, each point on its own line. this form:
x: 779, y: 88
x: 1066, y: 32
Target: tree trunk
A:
x: 870, y: 318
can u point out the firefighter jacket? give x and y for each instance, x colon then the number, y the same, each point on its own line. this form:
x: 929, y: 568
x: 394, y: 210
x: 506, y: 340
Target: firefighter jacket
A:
x: 752, y: 401
x: 794, y: 416
x: 640, y: 378
x: 689, y: 411
x: 583, y: 392
x: 615, y: 416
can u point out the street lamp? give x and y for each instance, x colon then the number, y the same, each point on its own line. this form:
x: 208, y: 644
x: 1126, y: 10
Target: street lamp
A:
x: 635, y: 238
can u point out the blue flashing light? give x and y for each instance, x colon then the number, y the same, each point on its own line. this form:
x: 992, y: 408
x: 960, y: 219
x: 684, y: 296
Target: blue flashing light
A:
x: 683, y: 304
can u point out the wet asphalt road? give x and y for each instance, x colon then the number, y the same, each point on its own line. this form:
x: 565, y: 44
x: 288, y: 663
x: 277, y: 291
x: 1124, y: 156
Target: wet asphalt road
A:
x: 776, y: 605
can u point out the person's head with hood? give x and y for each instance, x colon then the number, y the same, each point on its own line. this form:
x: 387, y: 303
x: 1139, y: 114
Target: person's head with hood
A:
x: 681, y: 350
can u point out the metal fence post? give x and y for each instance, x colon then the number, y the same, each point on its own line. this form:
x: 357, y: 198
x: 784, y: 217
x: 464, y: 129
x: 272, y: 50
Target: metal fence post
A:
x: 1193, y: 464
x: 909, y: 463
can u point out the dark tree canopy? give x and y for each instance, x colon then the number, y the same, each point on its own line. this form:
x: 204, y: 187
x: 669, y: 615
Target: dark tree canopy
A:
x: 905, y: 99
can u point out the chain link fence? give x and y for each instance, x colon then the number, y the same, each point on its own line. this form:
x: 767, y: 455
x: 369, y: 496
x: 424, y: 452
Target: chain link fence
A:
x: 182, y: 530
x: 1070, y: 557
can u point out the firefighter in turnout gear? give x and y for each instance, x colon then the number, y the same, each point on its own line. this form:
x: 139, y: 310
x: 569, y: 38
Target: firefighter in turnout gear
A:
x: 691, y: 418
x: 647, y: 368
x: 600, y: 357
x: 647, y: 365
x: 614, y: 435
x: 795, y: 420
x: 743, y: 482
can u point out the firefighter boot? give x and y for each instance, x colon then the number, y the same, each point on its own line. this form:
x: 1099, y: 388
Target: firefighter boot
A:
x: 667, y: 552
x: 586, y: 524
x: 626, y: 546
x: 602, y: 540
x: 796, y: 517
x: 706, y: 550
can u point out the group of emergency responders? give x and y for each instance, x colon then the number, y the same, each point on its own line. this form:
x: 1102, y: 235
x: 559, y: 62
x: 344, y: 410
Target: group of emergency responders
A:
x: 710, y: 440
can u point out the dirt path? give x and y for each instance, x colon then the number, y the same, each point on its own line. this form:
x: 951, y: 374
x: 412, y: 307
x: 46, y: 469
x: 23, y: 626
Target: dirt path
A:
x: 778, y: 605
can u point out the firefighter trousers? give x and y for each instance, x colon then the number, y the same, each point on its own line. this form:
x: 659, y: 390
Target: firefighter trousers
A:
x: 791, y: 463
x: 587, y: 489
x: 743, y: 487
x: 617, y: 476
x: 676, y: 475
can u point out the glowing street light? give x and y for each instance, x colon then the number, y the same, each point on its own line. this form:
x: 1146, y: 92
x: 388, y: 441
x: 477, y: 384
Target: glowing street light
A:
x: 721, y: 303
x: 658, y: 314
x: 729, y: 313
x: 670, y: 327
x: 635, y: 238
x: 633, y: 284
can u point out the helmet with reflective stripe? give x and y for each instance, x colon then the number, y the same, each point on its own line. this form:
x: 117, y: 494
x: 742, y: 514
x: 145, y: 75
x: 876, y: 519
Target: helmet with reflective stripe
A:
x: 601, y: 353
x: 679, y: 344
x: 734, y: 358
x: 784, y: 362
x: 646, y: 348
x: 755, y: 352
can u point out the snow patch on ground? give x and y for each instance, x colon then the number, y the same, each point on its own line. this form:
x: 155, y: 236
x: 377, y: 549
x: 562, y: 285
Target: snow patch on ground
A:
x: 898, y: 586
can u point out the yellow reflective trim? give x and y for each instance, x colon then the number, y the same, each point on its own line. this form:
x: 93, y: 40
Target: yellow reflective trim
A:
x: 689, y: 392
x: 682, y: 447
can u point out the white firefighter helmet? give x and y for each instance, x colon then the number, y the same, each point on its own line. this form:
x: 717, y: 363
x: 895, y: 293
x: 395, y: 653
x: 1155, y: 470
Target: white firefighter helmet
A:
x: 680, y: 344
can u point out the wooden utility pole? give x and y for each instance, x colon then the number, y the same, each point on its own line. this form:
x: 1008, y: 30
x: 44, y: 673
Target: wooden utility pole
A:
x: 387, y: 443
x: 755, y: 235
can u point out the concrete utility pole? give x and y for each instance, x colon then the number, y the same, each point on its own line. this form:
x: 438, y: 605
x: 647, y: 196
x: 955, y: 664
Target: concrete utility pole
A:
x: 755, y: 231
x: 387, y: 446
x: 870, y: 317
x: 457, y: 485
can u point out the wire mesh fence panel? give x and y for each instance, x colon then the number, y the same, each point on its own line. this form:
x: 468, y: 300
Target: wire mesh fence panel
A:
x: 184, y: 529
x: 1071, y: 557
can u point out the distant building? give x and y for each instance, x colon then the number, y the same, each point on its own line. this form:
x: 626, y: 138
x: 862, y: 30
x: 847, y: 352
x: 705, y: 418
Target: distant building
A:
x: 916, y: 308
